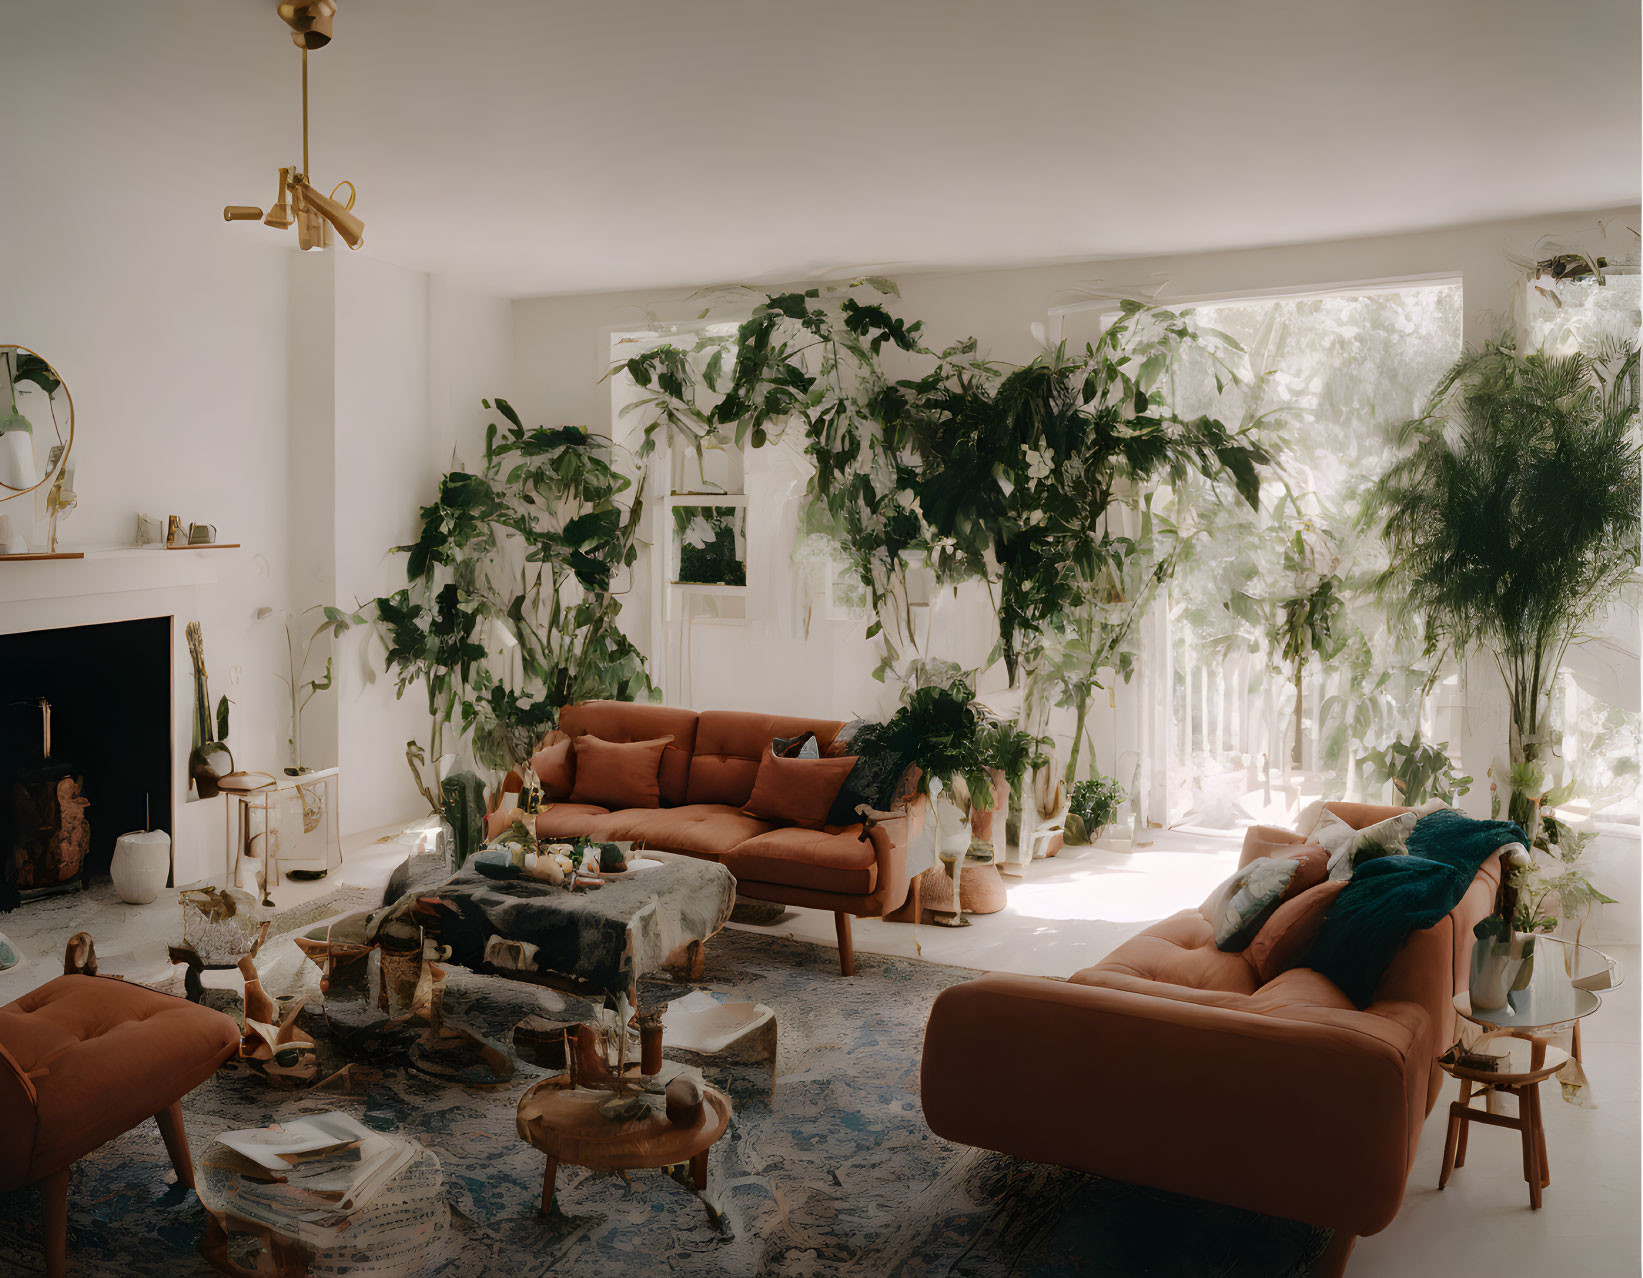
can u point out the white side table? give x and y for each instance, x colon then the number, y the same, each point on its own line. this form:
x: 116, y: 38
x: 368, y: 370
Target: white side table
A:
x: 323, y: 784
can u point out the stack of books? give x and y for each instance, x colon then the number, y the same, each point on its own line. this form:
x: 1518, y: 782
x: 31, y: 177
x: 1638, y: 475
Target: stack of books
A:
x: 310, y: 1175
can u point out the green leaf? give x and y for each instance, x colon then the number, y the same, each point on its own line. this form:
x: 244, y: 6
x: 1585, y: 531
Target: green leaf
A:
x: 506, y: 409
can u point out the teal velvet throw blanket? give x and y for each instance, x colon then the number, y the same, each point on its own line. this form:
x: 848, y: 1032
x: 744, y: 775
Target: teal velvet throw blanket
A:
x: 1392, y: 896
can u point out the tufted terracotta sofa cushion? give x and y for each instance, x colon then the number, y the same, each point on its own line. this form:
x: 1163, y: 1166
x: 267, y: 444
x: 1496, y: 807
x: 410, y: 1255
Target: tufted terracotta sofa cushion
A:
x: 730, y: 745
x: 1179, y: 951
x: 831, y: 859
x: 86, y: 1058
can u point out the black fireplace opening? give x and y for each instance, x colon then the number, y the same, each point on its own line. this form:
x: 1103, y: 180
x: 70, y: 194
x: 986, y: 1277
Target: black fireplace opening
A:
x: 109, y: 691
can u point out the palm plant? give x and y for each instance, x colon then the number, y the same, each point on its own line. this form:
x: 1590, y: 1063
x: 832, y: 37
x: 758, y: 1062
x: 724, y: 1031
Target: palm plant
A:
x: 1513, y: 523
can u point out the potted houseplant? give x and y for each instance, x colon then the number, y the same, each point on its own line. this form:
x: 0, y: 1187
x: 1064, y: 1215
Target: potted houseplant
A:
x: 1552, y: 885
x: 509, y: 611
x: 1513, y: 524
x: 1092, y: 807
x: 298, y: 687
x: 1502, y: 956
x: 958, y: 748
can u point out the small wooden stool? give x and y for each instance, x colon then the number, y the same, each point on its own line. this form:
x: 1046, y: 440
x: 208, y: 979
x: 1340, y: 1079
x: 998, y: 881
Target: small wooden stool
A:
x: 564, y: 1122
x: 1528, y: 1062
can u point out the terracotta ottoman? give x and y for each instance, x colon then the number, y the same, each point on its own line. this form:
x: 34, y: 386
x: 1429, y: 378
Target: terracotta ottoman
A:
x: 85, y: 1058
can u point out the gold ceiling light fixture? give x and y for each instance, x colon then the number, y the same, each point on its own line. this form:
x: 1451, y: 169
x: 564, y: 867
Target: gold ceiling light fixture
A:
x: 298, y: 204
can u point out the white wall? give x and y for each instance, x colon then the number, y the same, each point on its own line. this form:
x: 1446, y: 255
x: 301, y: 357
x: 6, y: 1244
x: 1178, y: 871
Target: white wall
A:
x: 303, y: 403
x: 377, y: 409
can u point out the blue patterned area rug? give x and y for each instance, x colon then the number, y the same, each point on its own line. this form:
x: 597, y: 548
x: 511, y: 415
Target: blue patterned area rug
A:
x: 837, y: 1174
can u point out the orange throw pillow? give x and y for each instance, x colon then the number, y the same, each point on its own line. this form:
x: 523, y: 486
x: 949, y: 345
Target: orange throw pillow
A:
x: 1314, y: 860
x: 797, y: 791
x: 1286, y: 938
x: 618, y: 774
x: 555, y: 767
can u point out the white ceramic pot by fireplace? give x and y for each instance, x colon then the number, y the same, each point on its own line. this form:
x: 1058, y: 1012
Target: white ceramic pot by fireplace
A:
x: 142, y: 862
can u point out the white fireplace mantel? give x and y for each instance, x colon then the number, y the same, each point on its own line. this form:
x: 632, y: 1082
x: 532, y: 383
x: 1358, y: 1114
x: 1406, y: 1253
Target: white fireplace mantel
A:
x: 121, y: 570
x: 125, y: 584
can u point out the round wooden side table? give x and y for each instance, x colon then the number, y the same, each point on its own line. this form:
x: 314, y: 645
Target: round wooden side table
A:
x: 564, y: 1122
x: 1526, y: 1063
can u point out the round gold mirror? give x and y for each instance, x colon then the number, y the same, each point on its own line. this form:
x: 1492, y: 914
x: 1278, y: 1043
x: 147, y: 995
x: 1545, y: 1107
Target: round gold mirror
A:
x: 36, y: 434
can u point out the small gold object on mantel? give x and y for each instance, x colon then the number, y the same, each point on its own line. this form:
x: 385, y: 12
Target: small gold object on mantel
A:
x: 298, y: 204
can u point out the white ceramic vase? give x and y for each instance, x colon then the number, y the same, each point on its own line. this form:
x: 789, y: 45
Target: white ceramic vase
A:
x: 141, y: 865
x: 952, y: 829
x: 17, y: 459
x: 1497, y: 966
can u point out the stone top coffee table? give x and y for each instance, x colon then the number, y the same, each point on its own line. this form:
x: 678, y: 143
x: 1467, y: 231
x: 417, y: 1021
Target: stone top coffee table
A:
x: 600, y: 939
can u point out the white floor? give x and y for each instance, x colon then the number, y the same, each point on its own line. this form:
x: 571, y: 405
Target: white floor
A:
x: 1066, y: 914
x: 131, y: 940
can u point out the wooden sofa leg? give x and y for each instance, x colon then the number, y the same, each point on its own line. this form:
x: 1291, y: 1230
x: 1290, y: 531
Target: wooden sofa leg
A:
x: 847, y: 949
x: 170, y: 1121
x: 54, y: 1189
x: 1332, y: 1263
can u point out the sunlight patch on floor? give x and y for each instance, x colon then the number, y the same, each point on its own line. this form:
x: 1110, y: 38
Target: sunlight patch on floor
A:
x: 1141, y: 888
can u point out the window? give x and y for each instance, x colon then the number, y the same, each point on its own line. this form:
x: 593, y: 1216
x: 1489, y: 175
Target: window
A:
x: 1230, y: 730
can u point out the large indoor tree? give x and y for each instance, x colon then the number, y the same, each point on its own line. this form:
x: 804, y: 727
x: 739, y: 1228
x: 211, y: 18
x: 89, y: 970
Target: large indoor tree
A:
x: 1020, y: 476
x: 510, y: 607
x: 1513, y: 523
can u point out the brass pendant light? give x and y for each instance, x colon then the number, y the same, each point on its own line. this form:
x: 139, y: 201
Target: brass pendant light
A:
x: 315, y: 216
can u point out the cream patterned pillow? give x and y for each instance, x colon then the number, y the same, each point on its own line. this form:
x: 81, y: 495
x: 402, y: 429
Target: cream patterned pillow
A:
x: 1349, y: 848
x: 1241, y: 904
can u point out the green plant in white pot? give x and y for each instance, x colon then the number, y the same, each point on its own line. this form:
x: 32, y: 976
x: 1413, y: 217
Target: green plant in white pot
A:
x: 1502, y: 957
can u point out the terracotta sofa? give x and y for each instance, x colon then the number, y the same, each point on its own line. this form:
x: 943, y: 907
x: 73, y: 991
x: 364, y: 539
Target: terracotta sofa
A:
x: 1178, y: 1070
x: 705, y: 778
x: 84, y: 1058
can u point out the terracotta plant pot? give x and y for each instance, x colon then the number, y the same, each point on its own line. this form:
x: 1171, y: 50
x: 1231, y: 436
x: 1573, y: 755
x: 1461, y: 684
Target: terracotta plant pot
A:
x: 980, y: 890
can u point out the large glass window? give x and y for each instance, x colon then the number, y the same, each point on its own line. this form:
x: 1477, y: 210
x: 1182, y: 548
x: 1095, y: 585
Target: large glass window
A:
x: 1287, y: 679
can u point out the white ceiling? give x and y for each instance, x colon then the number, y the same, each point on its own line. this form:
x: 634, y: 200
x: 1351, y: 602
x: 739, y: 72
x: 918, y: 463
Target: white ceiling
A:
x: 530, y: 147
